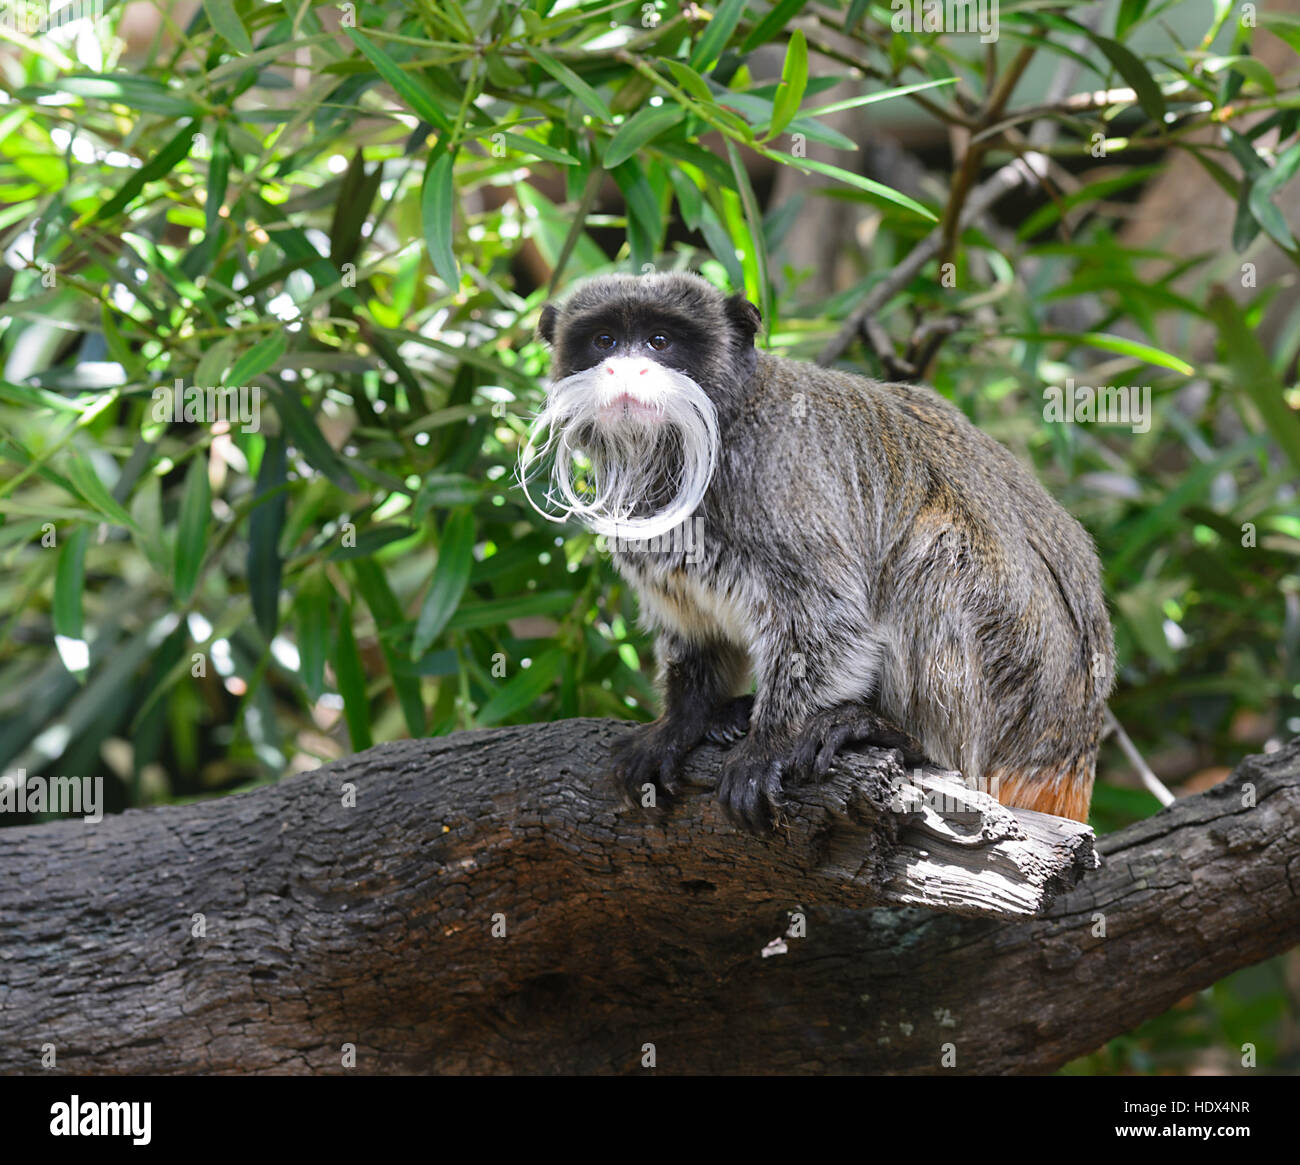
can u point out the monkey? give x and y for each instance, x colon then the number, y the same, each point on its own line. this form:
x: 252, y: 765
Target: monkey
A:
x: 876, y: 567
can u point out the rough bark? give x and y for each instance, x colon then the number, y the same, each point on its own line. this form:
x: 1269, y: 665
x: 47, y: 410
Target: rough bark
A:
x: 373, y: 926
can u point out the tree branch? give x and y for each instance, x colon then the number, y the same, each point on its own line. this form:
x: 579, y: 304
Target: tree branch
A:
x: 265, y: 931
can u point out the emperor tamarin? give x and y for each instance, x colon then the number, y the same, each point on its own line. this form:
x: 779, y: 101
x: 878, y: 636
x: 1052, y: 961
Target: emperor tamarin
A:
x: 884, y: 571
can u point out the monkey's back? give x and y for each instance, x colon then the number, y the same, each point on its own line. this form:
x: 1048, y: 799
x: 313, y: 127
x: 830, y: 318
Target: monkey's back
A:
x: 981, y: 591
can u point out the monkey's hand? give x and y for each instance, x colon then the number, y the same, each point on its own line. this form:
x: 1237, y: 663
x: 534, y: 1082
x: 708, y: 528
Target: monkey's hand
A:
x: 648, y: 761
x: 653, y: 755
x: 749, y: 788
x: 828, y: 731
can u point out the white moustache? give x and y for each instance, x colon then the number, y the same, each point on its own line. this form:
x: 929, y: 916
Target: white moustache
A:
x: 627, y: 415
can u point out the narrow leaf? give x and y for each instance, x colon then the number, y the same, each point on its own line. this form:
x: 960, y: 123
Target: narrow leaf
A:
x: 225, y: 21
x: 1130, y: 67
x: 312, y: 614
x: 265, y: 524
x: 639, y: 130
x: 352, y: 684
x: 257, y: 360
x: 192, y: 528
x: 83, y: 478
x: 722, y: 24
x: 159, y: 166
x: 436, y: 204
x: 69, y: 582
x: 1254, y: 374
x: 574, y: 84
x: 525, y: 687
x: 794, y: 79
x: 411, y: 89
x: 450, y: 577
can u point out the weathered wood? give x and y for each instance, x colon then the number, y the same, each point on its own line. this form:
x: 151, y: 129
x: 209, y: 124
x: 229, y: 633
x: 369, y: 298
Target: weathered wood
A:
x: 373, y: 925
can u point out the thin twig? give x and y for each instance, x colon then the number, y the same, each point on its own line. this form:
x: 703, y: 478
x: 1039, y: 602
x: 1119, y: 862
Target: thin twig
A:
x: 1153, y: 783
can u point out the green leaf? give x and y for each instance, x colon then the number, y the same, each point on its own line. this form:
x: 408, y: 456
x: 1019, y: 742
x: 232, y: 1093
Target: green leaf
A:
x: 83, y: 478
x: 436, y: 203
x: 312, y: 613
x: 1249, y: 68
x: 212, y: 366
x: 688, y: 79
x: 754, y: 221
x: 1156, y: 521
x: 383, y: 605
x: 525, y: 145
x: 497, y: 611
x: 794, y: 79
x: 450, y: 577
x: 352, y: 684
x: 1261, y: 194
x: 639, y: 130
x: 218, y: 178
x: 159, y: 166
x: 523, y: 689
x: 721, y: 25
x: 689, y: 199
x: 719, y: 242
x: 265, y: 524
x: 257, y: 360
x: 851, y: 179
x: 645, y: 224
x: 1284, y: 27
x: 192, y: 528
x: 141, y: 93
x: 225, y: 21
x: 573, y: 83
x: 69, y: 583
x: 1103, y: 188
x: 771, y: 24
x: 1130, y: 67
x: 1253, y: 373
x: 880, y: 95
x: 1130, y: 13
x: 1108, y: 343
x: 411, y: 89
x: 309, y: 440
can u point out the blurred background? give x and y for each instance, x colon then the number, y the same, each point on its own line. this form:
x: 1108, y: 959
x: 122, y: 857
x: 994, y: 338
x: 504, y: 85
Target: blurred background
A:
x: 355, y: 212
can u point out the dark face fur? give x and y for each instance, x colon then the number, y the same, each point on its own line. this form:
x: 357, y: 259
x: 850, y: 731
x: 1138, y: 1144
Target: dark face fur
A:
x: 646, y: 370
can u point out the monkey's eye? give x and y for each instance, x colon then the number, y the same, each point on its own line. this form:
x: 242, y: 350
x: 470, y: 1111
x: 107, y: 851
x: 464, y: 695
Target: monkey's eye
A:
x: 603, y: 341
x: 659, y: 341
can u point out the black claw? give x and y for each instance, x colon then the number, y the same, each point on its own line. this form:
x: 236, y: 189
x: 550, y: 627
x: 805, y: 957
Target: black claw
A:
x: 828, y: 731
x: 732, y: 721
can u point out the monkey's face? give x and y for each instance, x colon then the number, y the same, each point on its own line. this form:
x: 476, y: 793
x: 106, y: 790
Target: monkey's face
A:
x: 641, y: 367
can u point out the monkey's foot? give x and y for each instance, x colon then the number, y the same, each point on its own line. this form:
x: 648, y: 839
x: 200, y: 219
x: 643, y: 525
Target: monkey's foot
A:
x: 732, y: 721
x: 647, y: 763
x: 828, y: 731
x: 749, y: 787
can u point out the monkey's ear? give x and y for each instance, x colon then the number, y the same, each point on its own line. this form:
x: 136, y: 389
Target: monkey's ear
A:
x: 546, y: 323
x: 744, y: 316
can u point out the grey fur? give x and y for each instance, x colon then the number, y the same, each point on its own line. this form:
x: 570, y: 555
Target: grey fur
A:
x: 874, y: 560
